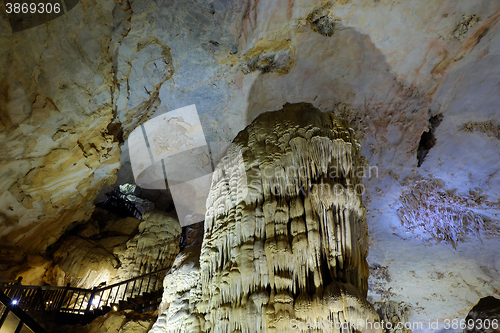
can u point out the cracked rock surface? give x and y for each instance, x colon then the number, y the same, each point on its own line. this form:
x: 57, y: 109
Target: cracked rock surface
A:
x: 285, y: 238
x: 73, y: 89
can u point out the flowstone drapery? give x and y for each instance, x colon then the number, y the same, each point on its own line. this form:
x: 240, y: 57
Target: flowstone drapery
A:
x: 286, y: 242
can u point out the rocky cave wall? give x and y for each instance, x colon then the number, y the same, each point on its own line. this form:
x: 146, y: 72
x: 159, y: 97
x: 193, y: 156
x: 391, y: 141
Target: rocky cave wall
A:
x: 73, y: 89
x: 93, y: 254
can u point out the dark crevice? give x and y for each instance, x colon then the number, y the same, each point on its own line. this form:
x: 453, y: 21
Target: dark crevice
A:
x: 428, y: 140
x: 115, y: 129
x: 118, y: 204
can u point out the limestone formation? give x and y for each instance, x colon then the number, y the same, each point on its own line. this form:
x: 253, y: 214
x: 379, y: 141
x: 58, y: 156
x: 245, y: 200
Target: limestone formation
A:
x: 395, y: 315
x: 490, y: 128
x: 295, y: 246
x: 466, y: 23
x: 285, y: 242
x: 378, y: 280
x: 321, y: 21
x: 33, y: 271
x: 269, y: 56
x: 130, y: 248
x: 57, y: 185
x: 182, y: 291
x: 84, y: 262
x: 154, y: 247
x: 74, y: 88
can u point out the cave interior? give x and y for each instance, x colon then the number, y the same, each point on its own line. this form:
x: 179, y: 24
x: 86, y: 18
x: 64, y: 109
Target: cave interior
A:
x: 250, y: 166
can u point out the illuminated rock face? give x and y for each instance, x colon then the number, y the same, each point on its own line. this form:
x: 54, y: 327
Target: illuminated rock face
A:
x: 181, y: 294
x: 129, y: 248
x: 295, y: 246
x: 291, y: 247
x: 390, y: 66
x: 154, y: 247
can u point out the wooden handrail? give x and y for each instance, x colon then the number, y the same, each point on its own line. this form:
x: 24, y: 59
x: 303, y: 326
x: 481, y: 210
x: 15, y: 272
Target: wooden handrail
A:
x: 17, y: 286
x: 24, y: 318
x: 62, y: 299
x: 132, y: 279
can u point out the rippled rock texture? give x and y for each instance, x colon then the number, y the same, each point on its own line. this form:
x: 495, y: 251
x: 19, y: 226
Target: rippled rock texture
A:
x: 72, y: 90
x: 287, y: 239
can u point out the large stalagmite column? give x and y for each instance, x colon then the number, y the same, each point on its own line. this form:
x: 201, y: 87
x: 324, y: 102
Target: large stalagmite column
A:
x: 294, y: 249
x: 286, y: 238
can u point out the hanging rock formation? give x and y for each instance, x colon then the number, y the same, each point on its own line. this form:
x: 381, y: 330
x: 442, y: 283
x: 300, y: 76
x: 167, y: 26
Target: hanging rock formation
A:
x: 122, y: 249
x: 285, y: 242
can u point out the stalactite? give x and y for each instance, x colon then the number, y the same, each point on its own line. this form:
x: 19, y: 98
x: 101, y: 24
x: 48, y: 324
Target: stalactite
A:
x: 290, y: 241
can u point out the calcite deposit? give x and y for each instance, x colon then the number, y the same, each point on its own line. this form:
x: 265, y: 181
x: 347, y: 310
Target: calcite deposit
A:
x: 74, y: 88
x: 269, y: 56
x: 182, y: 291
x: 443, y: 214
x: 395, y: 315
x: 287, y: 242
x: 295, y: 246
x: 123, y: 249
x: 154, y: 247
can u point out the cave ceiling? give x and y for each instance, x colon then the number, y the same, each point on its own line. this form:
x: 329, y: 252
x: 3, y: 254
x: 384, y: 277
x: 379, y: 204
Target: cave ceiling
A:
x: 418, y: 82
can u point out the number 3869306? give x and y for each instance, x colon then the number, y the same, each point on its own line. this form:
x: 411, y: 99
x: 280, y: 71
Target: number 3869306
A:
x: 40, y: 8
x: 480, y: 324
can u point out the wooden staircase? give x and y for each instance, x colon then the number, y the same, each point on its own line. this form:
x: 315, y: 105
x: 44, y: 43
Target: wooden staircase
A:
x: 68, y: 305
x: 149, y: 301
x: 14, y: 320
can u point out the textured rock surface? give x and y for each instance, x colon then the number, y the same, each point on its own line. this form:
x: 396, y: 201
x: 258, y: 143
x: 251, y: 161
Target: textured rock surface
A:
x: 284, y: 240
x: 33, y: 272
x: 271, y: 251
x: 465, y: 160
x: 125, y: 321
x: 428, y: 209
x: 85, y: 261
x: 70, y: 87
x: 154, y: 247
x: 125, y: 248
x: 396, y: 315
x: 56, y: 106
x: 181, y: 294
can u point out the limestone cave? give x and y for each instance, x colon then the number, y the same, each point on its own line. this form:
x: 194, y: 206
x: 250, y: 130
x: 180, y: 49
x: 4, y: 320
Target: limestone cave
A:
x: 189, y: 166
